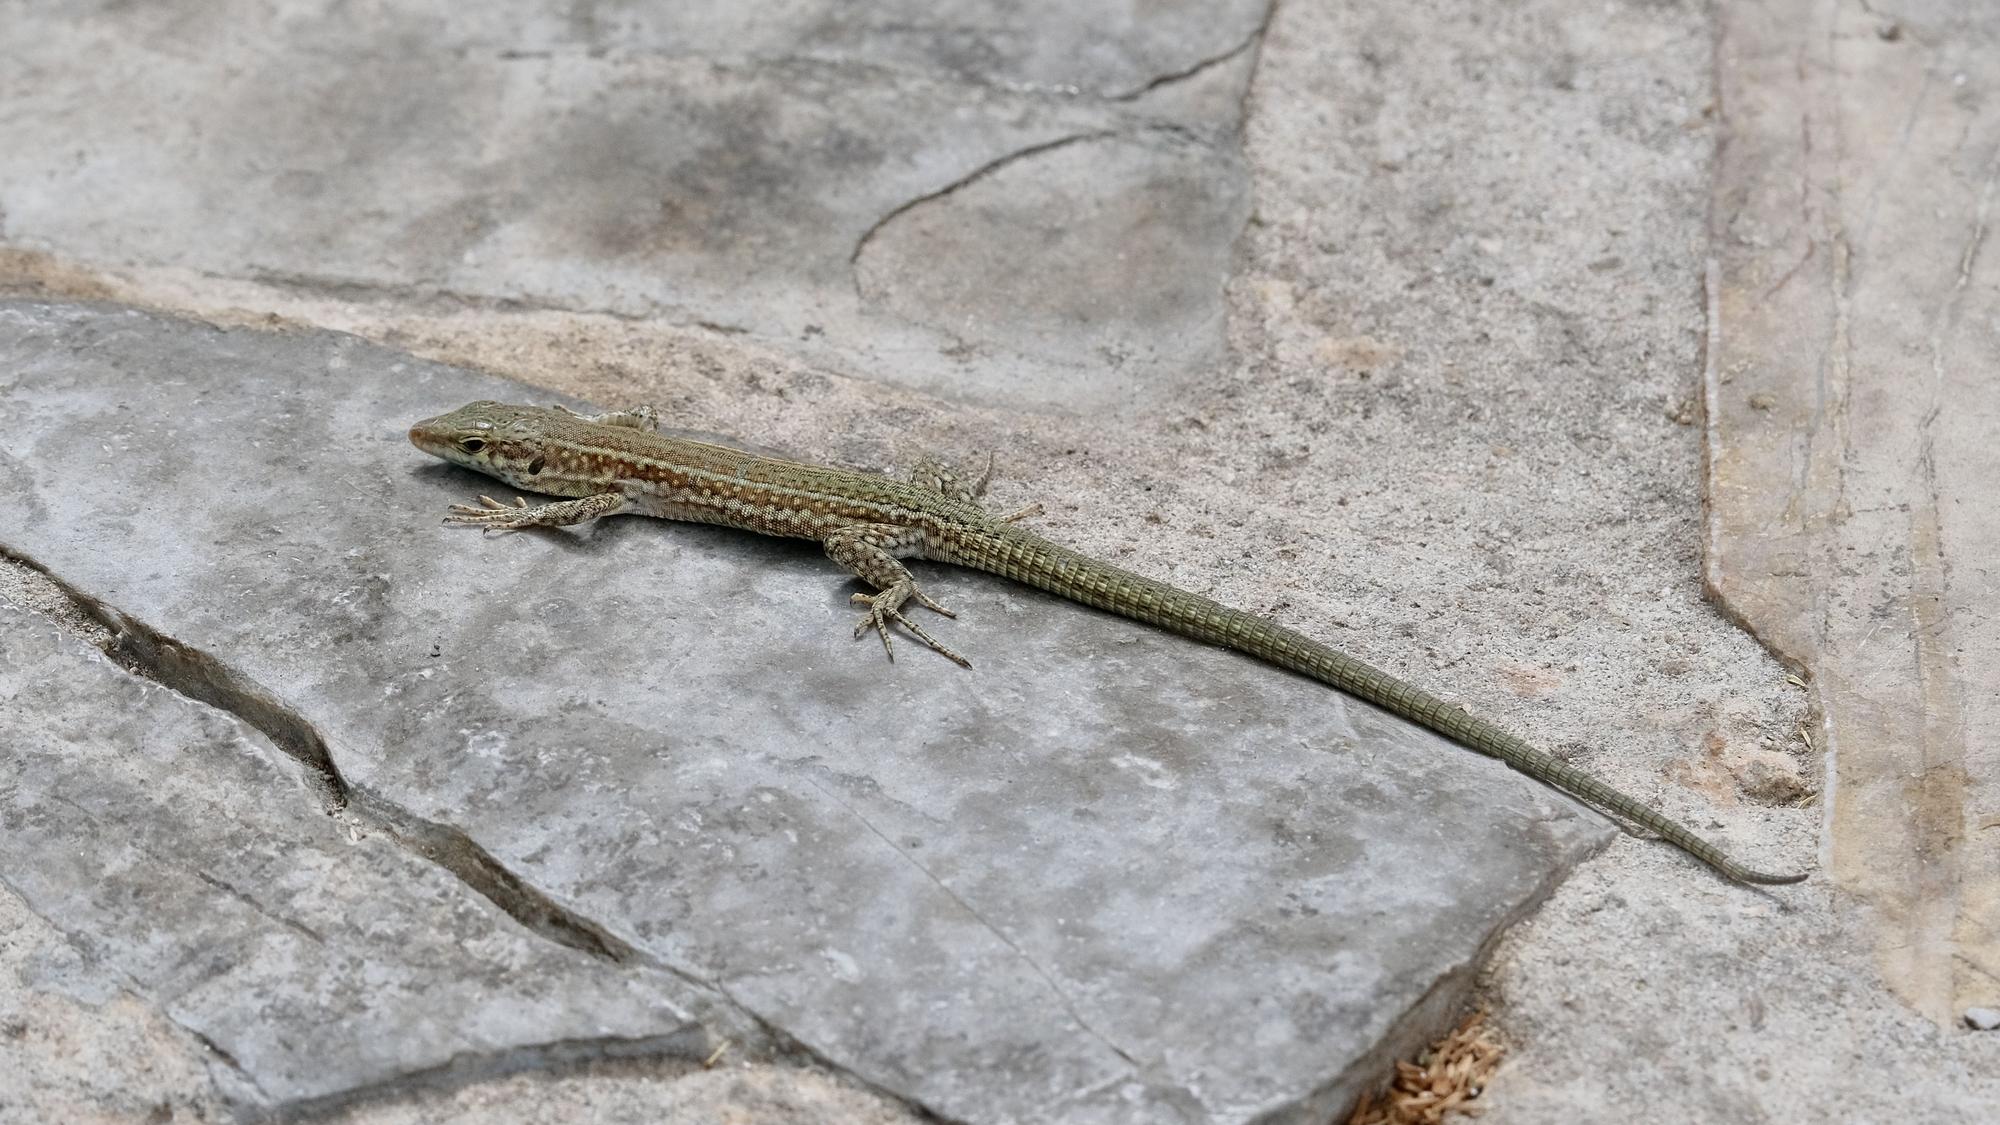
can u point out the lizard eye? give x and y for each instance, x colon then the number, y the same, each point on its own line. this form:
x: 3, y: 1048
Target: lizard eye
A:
x: 472, y: 444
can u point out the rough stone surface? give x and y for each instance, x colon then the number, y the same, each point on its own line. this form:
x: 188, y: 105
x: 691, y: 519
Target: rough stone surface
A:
x: 1487, y: 227
x: 1457, y: 431
x: 1109, y: 875
x: 75, y: 1046
x: 192, y: 865
x: 691, y: 161
x: 1852, y: 406
x: 79, y: 1045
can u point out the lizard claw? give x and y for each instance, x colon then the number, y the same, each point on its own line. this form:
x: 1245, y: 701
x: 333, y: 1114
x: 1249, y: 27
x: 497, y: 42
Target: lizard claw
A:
x: 494, y: 516
x: 1028, y: 512
x: 886, y: 606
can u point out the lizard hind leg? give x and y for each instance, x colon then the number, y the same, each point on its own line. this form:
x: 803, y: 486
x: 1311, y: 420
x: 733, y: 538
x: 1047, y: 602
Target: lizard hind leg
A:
x: 870, y: 551
x: 936, y: 474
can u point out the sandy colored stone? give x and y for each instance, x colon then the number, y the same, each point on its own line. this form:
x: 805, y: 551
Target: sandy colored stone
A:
x: 1851, y: 408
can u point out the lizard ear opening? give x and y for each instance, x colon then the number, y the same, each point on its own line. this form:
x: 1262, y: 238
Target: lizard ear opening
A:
x: 535, y: 467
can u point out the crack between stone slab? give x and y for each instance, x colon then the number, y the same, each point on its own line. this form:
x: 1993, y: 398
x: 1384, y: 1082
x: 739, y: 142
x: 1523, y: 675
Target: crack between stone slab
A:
x: 1243, y: 96
x: 204, y: 876
x: 966, y: 180
x: 236, y: 893
x: 839, y: 67
x: 134, y: 646
x: 784, y: 1042
x: 126, y: 983
x: 471, y: 1067
x: 430, y: 297
x: 1711, y: 402
x: 1179, y: 131
x: 188, y: 671
x: 474, y: 866
x: 1423, y: 1020
x: 184, y: 669
x: 1202, y: 66
x: 227, y: 1058
x: 1068, y: 1004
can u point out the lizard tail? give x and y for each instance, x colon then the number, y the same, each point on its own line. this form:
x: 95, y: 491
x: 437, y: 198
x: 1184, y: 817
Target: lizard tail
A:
x: 1030, y: 559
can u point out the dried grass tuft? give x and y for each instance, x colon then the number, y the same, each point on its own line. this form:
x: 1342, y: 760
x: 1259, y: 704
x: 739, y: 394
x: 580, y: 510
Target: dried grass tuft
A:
x: 1443, y: 1081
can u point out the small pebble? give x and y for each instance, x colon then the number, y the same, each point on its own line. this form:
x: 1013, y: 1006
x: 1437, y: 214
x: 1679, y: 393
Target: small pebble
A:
x: 1982, y: 1019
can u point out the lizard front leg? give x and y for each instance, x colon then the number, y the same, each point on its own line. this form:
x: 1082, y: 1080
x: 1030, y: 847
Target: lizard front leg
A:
x: 870, y: 550
x: 496, y: 516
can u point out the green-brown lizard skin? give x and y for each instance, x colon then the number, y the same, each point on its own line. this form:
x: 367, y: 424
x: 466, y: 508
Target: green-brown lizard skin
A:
x: 612, y: 463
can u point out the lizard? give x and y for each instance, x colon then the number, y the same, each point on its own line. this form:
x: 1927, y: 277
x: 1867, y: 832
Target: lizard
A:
x: 617, y: 462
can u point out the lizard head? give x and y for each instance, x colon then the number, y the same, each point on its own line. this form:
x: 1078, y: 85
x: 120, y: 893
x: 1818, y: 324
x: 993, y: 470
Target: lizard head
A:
x: 491, y: 437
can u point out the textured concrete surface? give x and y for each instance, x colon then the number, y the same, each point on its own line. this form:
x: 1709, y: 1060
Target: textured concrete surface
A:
x: 800, y: 174
x: 1109, y: 875
x: 1848, y: 400
x: 1457, y: 430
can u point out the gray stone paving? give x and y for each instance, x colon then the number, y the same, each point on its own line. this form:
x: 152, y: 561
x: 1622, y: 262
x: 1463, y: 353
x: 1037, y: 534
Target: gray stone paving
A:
x: 193, y: 859
x: 1108, y: 875
x: 819, y: 173
x: 1383, y: 316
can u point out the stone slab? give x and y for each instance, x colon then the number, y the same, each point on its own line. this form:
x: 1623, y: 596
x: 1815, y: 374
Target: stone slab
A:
x: 74, y: 1047
x: 1851, y: 413
x: 690, y: 162
x: 1108, y: 875
x: 191, y: 864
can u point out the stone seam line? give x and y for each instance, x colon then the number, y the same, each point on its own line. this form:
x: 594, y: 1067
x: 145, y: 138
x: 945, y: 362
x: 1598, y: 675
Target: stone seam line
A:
x: 198, y: 675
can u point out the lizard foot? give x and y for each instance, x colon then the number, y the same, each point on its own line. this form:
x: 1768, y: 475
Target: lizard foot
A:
x: 1028, y: 512
x: 887, y: 606
x: 494, y: 516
